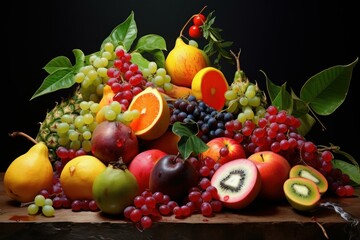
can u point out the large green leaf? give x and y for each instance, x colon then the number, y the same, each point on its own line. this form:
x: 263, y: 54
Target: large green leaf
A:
x: 124, y: 34
x: 327, y: 90
x: 283, y: 100
x: 58, y: 80
x: 272, y: 89
x: 307, y: 121
x: 150, y: 42
x: 299, y: 106
x: 138, y: 59
x: 351, y: 170
x: 61, y: 74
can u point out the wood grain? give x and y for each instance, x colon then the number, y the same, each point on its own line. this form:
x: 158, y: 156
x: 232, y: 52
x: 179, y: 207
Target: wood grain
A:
x: 260, y: 220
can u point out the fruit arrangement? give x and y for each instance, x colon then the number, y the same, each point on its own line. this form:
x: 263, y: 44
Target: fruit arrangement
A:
x: 146, y: 135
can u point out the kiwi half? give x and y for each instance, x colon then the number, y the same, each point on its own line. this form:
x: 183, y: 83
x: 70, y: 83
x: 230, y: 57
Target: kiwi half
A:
x: 302, y: 193
x: 312, y: 174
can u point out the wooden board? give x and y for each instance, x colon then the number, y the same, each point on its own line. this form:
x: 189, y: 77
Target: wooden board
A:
x: 258, y: 221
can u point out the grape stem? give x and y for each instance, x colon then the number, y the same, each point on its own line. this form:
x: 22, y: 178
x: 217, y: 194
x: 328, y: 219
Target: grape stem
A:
x: 17, y: 133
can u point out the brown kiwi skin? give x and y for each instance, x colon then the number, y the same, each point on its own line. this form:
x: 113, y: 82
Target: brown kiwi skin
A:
x: 298, y: 202
x: 322, y: 183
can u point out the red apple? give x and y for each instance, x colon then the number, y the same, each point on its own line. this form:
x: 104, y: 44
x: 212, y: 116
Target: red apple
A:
x: 223, y: 149
x: 274, y: 170
x: 142, y: 164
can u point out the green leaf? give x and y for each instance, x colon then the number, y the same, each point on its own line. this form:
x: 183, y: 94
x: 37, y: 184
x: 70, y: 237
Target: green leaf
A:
x: 272, y: 89
x: 327, y: 90
x: 124, y: 34
x: 138, y: 59
x: 299, y: 107
x: 283, y: 100
x: 58, y: 80
x: 58, y: 63
x: 150, y: 42
x: 307, y: 121
x: 352, y: 170
x: 189, y: 143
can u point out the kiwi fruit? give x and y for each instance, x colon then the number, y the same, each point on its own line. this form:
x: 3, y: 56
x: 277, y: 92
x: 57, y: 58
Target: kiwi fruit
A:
x: 238, y: 183
x: 312, y: 174
x: 302, y: 193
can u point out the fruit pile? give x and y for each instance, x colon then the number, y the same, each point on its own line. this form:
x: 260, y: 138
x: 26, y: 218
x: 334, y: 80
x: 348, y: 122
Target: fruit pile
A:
x: 145, y: 137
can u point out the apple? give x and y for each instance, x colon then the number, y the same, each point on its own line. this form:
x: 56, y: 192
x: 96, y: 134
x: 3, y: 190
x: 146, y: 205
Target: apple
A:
x: 142, y: 164
x: 174, y: 176
x: 274, y: 171
x: 112, y: 140
x: 223, y: 149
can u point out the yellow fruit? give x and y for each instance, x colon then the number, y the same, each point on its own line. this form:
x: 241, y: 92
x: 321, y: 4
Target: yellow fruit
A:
x: 28, y: 174
x: 183, y: 62
x: 154, y: 116
x: 78, y: 175
x: 210, y: 85
x: 106, y: 99
x: 178, y: 91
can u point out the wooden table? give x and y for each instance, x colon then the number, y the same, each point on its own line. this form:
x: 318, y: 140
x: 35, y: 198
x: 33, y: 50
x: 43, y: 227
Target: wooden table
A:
x: 258, y: 221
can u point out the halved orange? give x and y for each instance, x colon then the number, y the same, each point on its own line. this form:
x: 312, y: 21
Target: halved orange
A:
x: 154, y: 112
x: 210, y: 85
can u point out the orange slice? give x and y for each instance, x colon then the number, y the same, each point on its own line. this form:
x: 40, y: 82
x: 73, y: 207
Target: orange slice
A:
x: 154, y: 112
x: 210, y: 85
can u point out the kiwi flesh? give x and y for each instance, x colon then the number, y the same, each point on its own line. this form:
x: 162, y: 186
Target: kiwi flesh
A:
x: 306, y: 171
x: 302, y: 194
x: 238, y: 183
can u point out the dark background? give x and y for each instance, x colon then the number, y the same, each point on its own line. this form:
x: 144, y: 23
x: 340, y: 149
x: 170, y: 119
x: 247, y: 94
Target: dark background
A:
x: 289, y: 40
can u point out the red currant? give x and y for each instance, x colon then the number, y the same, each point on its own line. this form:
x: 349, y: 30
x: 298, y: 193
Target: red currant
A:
x: 195, y: 31
x: 199, y: 19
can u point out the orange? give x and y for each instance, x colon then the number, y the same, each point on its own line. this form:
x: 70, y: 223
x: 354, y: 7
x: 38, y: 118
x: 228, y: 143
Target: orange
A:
x: 78, y: 175
x: 210, y: 85
x: 154, y: 112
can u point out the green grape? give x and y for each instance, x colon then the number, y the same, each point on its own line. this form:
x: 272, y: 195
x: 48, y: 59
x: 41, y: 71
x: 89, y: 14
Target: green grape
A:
x: 249, y: 113
x: 167, y: 86
x: 87, y: 135
x: 33, y: 209
x: 73, y: 135
x: 108, y: 55
x: 63, y: 127
x: 95, y: 107
x: 109, y: 47
x: 88, y: 118
x: 98, y: 63
x: 48, y: 201
x: 92, y: 126
x: 233, y: 106
x: 255, y: 101
x: 79, y: 121
x: 39, y: 200
x: 79, y: 77
x: 66, y: 118
x: 230, y: 95
x: 128, y: 116
x: 115, y: 106
x: 158, y: 80
x: 135, y: 114
x: 48, y: 211
x: 63, y: 141
x: 86, y: 145
x: 161, y: 72
x: 152, y: 66
x: 244, y: 101
x: 146, y: 72
x: 84, y: 105
x: 193, y: 43
x: 241, y: 117
x: 92, y: 75
x: 110, y: 115
x: 102, y: 72
x: 250, y: 92
x: 167, y: 78
x: 75, y: 145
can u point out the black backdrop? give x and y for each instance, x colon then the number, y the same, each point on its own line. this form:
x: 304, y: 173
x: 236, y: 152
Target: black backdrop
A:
x: 289, y: 40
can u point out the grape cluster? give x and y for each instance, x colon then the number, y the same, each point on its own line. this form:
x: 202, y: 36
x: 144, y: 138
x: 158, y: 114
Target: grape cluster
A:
x: 211, y: 123
x: 277, y: 132
x: 157, y: 77
x: 148, y: 207
x: 45, y: 204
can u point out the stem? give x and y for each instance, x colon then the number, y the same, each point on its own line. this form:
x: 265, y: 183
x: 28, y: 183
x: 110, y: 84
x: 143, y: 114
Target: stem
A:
x: 237, y: 59
x: 15, y: 134
x: 188, y: 21
x: 322, y: 125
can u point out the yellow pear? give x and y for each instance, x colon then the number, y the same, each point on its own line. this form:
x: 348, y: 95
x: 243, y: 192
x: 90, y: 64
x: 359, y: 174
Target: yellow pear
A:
x: 28, y: 174
x: 184, y: 61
